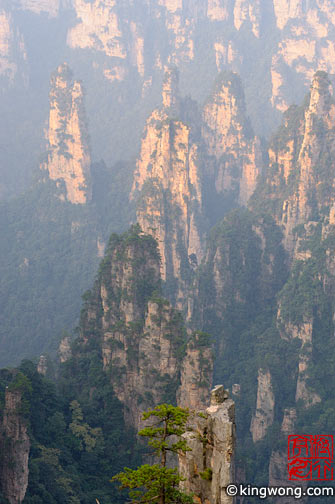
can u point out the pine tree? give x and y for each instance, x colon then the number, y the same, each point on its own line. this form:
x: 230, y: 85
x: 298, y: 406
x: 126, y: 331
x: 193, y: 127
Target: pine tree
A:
x: 157, y: 483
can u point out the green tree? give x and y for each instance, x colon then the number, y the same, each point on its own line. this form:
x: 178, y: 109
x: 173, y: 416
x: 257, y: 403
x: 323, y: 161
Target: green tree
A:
x: 158, y: 484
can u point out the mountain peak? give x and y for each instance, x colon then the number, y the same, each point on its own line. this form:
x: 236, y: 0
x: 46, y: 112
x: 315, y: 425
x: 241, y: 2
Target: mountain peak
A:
x: 321, y: 94
x: 69, y: 159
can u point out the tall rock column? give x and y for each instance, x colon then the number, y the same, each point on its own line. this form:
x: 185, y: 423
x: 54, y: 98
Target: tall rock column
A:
x: 300, y: 182
x: 145, y: 349
x: 264, y: 414
x: 14, y: 449
x: 235, y: 151
x: 167, y: 184
x: 11, y: 42
x: 209, y: 467
x: 68, y: 159
x: 196, y: 373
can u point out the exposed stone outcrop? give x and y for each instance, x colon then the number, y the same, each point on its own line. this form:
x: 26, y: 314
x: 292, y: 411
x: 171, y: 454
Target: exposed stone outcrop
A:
x: 64, y: 349
x: 167, y: 178
x: 289, y: 419
x: 303, y: 392
x: 142, y: 338
x: 302, y: 44
x: 11, y: 42
x: 98, y: 28
x: 14, y: 449
x: 248, y: 10
x: 101, y: 28
x: 278, y: 474
x: 209, y: 467
x: 196, y: 373
x: 278, y: 459
x: 305, y: 46
x: 300, y: 156
x: 236, y: 152
x: 303, y: 332
x: 38, y: 6
x: 174, y: 174
x: 264, y: 414
x: 218, y: 10
x: 68, y: 159
x: 170, y: 91
x: 147, y: 362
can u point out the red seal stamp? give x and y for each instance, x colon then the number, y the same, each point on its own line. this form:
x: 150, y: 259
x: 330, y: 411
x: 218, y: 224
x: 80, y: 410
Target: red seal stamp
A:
x: 310, y: 458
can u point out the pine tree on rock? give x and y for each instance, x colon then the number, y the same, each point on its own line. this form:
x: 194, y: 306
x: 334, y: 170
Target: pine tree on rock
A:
x: 159, y: 484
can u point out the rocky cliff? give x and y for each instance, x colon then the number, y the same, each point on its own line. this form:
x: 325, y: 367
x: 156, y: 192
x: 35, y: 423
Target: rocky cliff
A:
x: 210, y: 465
x: 278, y: 459
x: 15, y: 446
x: 98, y: 28
x: 145, y: 350
x: 12, y: 47
x: 235, y: 299
x: 123, y: 49
x: 299, y: 180
x: 68, y: 156
x: 196, y: 372
x: 38, y: 6
x: 264, y: 414
x: 167, y: 184
x: 300, y: 197
x: 239, y: 275
x: 298, y: 192
x: 192, y: 169
x: 303, y: 42
x: 227, y: 133
x: 305, y: 46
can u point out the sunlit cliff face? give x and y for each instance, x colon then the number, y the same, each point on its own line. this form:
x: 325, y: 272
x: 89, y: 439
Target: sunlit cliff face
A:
x: 68, y: 151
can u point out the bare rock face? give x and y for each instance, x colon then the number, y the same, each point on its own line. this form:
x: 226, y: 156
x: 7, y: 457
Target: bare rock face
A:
x: 289, y: 419
x: 39, y: 6
x: 170, y: 91
x: 196, y: 373
x: 102, y: 27
x: 167, y: 184
x: 173, y: 169
x: 145, y: 349
x: 64, y: 350
x: 303, y: 332
x: 99, y: 28
x: 304, y: 47
x: 300, y: 156
x: 69, y: 159
x: 278, y: 473
x: 14, y: 449
x: 250, y: 11
x: 264, y: 415
x: 303, y: 42
x: 218, y: 10
x: 236, y: 152
x: 209, y: 467
x: 142, y: 381
x: 303, y: 392
x: 11, y: 41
